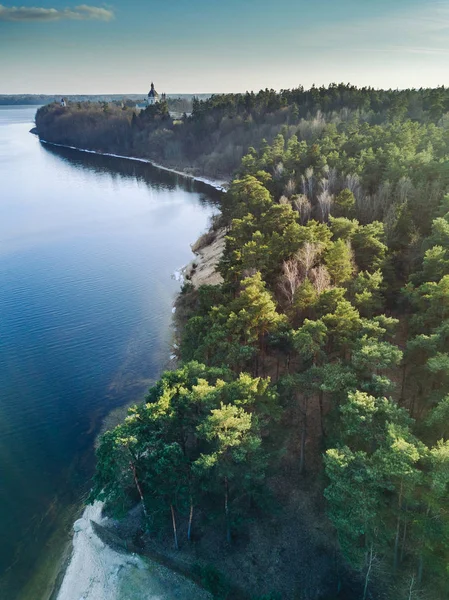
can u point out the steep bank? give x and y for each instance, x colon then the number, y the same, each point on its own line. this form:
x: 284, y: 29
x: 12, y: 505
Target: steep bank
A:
x: 282, y: 556
x: 98, y: 572
x: 208, y: 249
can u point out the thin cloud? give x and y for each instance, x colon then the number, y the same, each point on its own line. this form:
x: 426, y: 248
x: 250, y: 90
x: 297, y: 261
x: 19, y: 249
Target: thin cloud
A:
x: 423, y: 31
x: 83, y: 12
x: 420, y: 50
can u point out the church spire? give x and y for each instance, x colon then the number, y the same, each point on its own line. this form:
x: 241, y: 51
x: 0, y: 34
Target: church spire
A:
x: 153, y: 96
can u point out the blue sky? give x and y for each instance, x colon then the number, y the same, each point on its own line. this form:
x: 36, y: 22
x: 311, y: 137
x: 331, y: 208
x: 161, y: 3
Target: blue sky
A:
x: 59, y: 46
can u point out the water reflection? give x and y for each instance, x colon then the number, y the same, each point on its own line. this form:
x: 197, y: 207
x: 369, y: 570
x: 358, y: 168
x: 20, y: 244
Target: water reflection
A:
x: 142, y: 172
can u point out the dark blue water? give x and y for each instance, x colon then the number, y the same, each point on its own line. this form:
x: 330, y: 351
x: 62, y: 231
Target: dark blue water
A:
x: 88, y: 246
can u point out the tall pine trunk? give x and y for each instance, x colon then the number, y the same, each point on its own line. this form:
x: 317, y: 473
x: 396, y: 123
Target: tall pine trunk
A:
x: 302, y: 454
x: 404, y: 376
x: 139, y: 489
x: 228, y: 523
x: 189, y: 530
x: 396, y: 545
x: 368, y: 571
x: 175, y: 533
x: 420, y: 568
x: 404, y: 536
x: 320, y: 399
x: 398, y: 529
x: 410, y: 591
x: 421, y: 557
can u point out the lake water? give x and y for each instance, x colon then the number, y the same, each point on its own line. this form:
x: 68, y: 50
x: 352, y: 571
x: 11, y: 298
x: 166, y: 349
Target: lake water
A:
x: 88, y: 246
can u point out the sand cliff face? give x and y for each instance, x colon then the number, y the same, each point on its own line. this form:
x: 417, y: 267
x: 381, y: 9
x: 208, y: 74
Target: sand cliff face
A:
x: 98, y: 572
x: 202, y: 270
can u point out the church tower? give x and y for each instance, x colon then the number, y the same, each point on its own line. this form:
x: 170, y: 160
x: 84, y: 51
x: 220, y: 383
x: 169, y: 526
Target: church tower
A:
x: 153, y: 96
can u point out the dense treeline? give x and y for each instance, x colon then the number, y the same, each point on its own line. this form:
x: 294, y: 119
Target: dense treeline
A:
x: 179, y: 102
x: 326, y: 343
x: 39, y: 99
x: 213, y: 139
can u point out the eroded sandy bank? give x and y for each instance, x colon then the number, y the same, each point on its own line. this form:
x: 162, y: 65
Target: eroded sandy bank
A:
x: 202, y: 270
x: 97, y: 572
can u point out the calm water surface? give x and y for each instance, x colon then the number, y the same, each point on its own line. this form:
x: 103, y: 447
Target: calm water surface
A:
x: 88, y: 246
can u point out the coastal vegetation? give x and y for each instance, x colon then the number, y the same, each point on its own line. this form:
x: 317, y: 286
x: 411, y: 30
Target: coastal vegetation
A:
x: 321, y: 363
x: 213, y: 139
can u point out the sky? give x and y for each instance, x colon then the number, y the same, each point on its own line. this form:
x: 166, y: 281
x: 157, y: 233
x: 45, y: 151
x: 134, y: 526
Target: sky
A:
x: 206, y: 46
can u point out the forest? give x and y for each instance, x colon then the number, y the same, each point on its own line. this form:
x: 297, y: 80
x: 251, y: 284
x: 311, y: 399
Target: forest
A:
x: 321, y: 363
x: 212, y: 140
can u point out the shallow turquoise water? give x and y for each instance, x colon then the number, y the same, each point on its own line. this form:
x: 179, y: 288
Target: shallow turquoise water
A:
x: 88, y: 246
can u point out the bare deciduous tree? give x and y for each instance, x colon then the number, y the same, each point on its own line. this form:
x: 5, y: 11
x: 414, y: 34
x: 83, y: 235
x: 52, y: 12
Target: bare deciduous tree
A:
x: 320, y: 278
x: 411, y: 590
x: 303, y: 206
x: 304, y: 186
x: 295, y: 270
x: 310, y: 182
x: 325, y: 201
x: 306, y: 257
x: 352, y: 182
x: 330, y: 182
x: 290, y: 188
x: 278, y: 171
x: 311, y: 128
x: 404, y: 189
x: 324, y: 185
x: 380, y: 201
x: 332, y: 177
x: 290, y: 279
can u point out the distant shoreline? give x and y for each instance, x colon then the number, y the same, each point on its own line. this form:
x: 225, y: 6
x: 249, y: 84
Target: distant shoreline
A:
x: 220, y: 186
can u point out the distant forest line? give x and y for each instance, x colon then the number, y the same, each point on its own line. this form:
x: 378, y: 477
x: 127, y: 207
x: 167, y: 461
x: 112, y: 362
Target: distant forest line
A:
x: 40, y: 99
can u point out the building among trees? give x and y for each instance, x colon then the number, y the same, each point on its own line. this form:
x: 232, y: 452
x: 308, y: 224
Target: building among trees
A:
x: 152, y: 98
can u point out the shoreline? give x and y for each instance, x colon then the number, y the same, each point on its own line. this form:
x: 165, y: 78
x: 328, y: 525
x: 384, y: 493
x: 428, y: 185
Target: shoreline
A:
x: 220, y: 186
x: 98, y: 571
x: 92, y: 569
x: 101, y: 581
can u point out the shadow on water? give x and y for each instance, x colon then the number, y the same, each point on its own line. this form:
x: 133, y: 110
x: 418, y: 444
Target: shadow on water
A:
x: 142, y: 172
